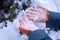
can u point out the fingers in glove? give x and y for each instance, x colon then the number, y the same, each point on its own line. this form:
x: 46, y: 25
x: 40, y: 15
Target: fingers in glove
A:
x: 44, y: 9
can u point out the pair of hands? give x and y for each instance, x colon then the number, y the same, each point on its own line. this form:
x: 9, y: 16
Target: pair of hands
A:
x: 37, y: 14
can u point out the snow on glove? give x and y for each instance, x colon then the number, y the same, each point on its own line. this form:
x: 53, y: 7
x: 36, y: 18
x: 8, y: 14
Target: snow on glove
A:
x: 38, y: 14
x: 26, y: 25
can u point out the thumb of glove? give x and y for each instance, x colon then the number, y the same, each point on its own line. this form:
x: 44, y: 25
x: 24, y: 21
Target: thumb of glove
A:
x: 25, y: 31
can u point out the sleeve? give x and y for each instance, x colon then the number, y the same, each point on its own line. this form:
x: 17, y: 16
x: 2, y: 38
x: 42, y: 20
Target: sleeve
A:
x: 54, y: 21
x: 38, y: 35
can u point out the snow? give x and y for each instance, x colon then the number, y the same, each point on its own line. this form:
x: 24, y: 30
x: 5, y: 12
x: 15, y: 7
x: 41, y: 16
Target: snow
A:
x: 20, y: 5
x: 48, y: 4
x: 12, y: 32
x: 52, y: 34
x: 1, y: 25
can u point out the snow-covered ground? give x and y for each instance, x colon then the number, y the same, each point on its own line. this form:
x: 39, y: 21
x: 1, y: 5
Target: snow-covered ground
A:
x: 12, y: 32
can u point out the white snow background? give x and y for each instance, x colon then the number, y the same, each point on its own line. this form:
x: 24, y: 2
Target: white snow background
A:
x: 12, y: 32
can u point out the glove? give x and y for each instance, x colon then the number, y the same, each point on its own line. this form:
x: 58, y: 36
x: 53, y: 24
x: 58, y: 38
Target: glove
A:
x: 27, y: 26
x: 38, y: 14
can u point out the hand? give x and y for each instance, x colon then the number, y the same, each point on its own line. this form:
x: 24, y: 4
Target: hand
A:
x: 37, y: 14
x: 26, y: 25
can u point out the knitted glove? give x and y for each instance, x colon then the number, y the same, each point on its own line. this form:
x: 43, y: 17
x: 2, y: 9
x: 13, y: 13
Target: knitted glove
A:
x: 26, y: 25
x: 38, y: 14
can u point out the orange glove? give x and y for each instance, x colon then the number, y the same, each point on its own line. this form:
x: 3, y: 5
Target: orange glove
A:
x: 27, y: 26
x: 38, y: 14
